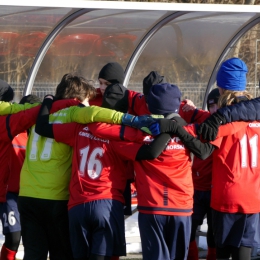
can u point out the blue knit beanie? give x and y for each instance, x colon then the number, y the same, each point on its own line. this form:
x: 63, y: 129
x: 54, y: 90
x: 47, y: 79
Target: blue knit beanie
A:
x: 163, y: 99
x: 232, y: 75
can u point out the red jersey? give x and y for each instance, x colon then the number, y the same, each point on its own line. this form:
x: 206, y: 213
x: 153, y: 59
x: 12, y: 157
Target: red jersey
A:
x: 236, y: 167
x: 193, y: 116
x: 97, y: 101
x: 97, y: 163
x: 201, y: 169
x: 137, y: 104
x: 164, y: 185
x: 17, y: 155
x: 11, y: 126
x: 202, y: 173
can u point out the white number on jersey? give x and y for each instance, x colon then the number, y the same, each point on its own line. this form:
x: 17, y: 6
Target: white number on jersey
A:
x: 253, y: 142
x: 46, y: 152
x: 93, y: 164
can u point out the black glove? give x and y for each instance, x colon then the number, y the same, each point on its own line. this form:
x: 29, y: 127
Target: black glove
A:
x: 163, y: 126
x: 179, y: 120
x: 209, y: 128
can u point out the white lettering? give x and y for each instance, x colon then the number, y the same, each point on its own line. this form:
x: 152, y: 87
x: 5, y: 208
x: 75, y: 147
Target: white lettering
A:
x: 254, y: 124
x: 90, y: 136
x: 175, y: 139
x: 175, y: 147
x: 148, y: 139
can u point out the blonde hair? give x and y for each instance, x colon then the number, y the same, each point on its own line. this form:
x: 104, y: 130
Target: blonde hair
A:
x: 232, y: 97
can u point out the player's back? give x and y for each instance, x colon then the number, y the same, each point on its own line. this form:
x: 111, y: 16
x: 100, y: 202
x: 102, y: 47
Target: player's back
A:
x: 164, y: 185
x: 236, y: 166
x: 97, y: 166
x: 201, y: 169
x: 47, y: 167
x: 137, y: 104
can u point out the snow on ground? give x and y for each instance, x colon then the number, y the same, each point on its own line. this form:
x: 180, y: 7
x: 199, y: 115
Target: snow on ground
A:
x: 133, y: 242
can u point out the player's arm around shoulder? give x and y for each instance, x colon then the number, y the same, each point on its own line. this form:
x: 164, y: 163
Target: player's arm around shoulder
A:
x: 117, y: 132
x: 84, y: 115
x: 191, y: 114
x: 13, y: 108
x: 231, y: 128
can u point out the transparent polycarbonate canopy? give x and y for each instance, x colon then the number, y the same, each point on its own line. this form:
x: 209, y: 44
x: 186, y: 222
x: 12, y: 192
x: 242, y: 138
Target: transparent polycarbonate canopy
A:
x: 184, y: 42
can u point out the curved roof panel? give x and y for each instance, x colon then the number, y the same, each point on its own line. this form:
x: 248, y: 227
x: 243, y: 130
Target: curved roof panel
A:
x: 22, y: 32
x: 95, y: 38
x: 187, y: 49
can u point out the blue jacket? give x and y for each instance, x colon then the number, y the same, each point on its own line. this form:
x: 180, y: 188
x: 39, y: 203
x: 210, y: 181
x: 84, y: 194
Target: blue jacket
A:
x: 243, y: 111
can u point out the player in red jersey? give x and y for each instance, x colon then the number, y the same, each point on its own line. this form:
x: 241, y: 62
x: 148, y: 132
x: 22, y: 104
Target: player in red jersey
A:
x: 6, y: 94
x: 10, y: 215
x: 115, y: 96
x: 97, y: 183
x: 234, y: 219
x: 235, y: 195
x: 202, y: 180
x: 132, y: 102
x: 165, y: 188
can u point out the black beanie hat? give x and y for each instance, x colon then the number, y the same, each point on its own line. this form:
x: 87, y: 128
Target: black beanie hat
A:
x: 164, y: 99
x: 30, y: 99
x: 151, y: 79
x: 116, y: 97
x: 213, y: 97
x: 6, y: 92
x: 112, y: 72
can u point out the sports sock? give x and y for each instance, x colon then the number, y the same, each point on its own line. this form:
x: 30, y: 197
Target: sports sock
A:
x: 193, y: 253
x: 7, y: 254
x: 211, y: 253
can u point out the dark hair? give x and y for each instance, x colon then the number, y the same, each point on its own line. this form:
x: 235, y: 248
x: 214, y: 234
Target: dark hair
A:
x: 74, y: 86
x: 213, y: 97
x: 6, y: 92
